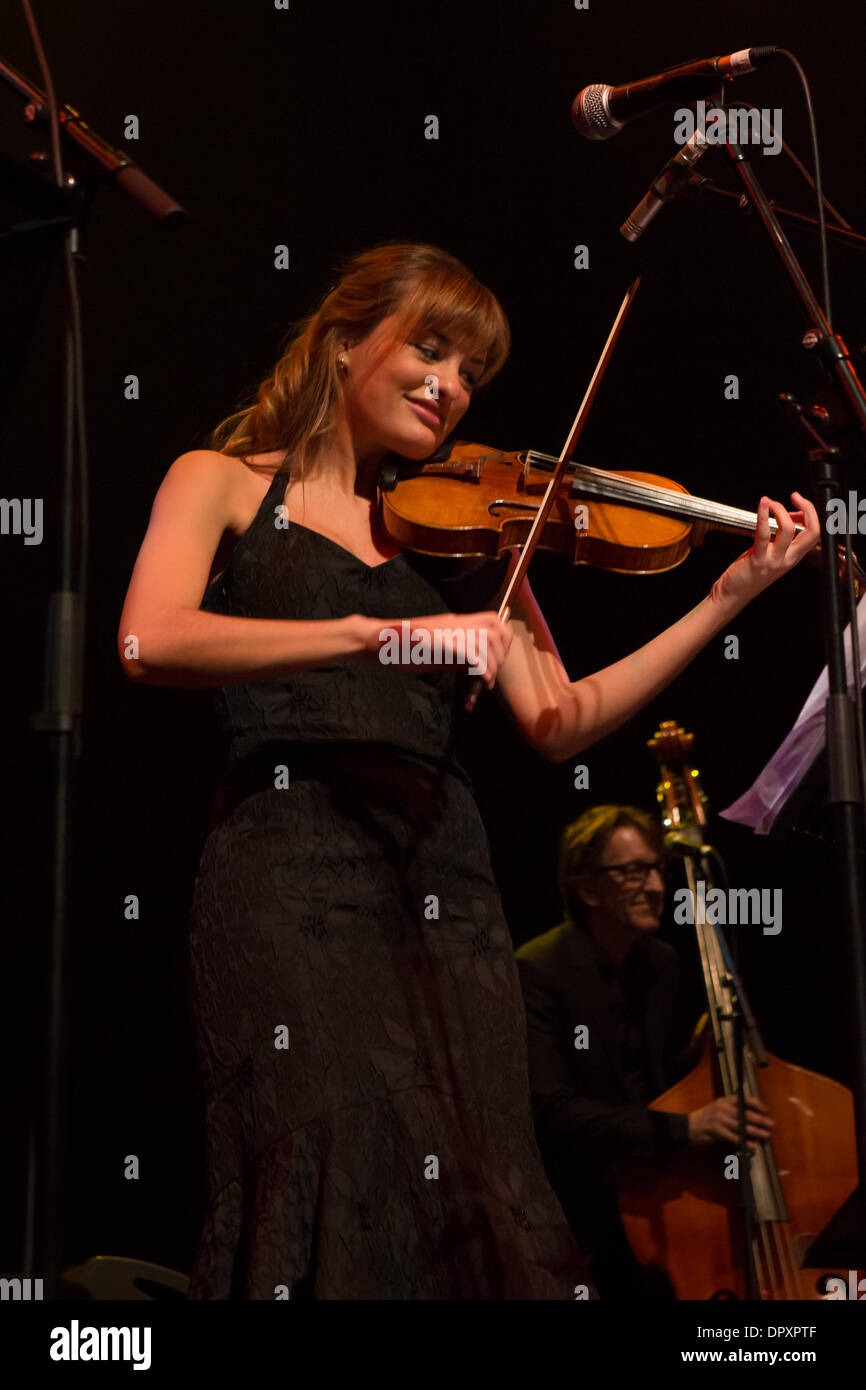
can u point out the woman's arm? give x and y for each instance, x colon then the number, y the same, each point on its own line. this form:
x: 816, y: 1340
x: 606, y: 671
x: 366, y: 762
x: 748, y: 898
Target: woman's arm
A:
x: 164, y: 638
x: 560, y: 717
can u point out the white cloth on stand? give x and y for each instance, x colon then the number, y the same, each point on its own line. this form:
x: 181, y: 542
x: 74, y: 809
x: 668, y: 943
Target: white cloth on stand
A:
x: 771, y: 790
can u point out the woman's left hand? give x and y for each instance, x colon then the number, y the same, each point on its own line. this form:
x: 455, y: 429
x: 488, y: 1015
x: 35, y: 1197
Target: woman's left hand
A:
x: 768, y: 559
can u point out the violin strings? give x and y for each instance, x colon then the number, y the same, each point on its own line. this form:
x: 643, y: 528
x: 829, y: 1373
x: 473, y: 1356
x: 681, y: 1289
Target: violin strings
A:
x: 663, y: 496
x: 659, y: 499
x: 663, y: 499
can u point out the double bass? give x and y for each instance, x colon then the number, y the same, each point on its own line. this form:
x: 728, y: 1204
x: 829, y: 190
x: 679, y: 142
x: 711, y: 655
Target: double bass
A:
x: 724, y: 1229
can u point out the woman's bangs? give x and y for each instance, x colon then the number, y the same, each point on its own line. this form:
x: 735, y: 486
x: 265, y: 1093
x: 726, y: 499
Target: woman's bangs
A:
x: 462, y: 313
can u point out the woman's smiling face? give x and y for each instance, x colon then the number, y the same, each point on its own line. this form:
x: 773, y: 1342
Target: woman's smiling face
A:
x: 409, y: 399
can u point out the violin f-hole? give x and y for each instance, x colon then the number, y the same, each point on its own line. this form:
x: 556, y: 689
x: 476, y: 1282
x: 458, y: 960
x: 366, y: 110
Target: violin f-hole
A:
x: 511, y: 506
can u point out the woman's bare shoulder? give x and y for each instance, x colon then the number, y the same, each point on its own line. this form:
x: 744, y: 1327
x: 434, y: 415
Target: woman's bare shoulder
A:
x: 240, y: 483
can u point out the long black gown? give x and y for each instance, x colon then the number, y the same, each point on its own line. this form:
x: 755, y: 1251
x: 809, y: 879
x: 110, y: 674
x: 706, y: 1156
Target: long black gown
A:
x: 357, y: 1011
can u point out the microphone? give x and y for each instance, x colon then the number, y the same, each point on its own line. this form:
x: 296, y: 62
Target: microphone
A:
x: 599, y: 111
x: 664, y: 186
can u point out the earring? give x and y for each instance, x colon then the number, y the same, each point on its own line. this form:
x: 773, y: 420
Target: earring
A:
x: 341, y: 361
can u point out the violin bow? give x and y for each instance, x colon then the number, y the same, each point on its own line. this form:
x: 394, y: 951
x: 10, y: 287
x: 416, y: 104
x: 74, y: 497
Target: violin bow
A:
x: 558, y: 474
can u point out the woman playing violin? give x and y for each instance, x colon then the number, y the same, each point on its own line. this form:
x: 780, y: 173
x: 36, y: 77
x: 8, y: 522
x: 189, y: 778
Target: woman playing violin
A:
x: 356, y: 1005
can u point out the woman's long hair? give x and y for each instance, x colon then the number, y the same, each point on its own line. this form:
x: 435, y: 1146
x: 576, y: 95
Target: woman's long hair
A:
x: 294, y: 408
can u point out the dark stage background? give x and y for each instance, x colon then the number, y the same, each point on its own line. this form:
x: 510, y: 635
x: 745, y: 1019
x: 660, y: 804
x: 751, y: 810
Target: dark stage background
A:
x: 306, y: 127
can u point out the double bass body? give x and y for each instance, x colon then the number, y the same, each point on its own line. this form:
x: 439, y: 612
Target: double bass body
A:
x: 688, y: 1218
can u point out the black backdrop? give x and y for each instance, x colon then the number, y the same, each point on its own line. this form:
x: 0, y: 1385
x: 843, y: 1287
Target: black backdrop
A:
x: 306, y: 127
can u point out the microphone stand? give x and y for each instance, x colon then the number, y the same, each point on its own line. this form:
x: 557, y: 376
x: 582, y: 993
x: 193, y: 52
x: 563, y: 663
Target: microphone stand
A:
x: 696, y: 186
x: 844, y: 1239
x: 55, y: 226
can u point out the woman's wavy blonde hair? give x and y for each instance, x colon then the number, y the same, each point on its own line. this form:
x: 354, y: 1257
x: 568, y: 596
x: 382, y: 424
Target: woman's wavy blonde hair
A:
x: 294, y: 408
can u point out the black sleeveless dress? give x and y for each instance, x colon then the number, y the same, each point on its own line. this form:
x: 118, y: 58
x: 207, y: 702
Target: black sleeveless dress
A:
x: 356, y: 1005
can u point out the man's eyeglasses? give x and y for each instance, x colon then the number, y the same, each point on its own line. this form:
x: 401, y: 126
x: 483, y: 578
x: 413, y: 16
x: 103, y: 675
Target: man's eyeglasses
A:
x: 635, y: 873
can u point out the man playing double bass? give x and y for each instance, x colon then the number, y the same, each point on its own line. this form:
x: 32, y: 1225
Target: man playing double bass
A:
x: 608, y: 1030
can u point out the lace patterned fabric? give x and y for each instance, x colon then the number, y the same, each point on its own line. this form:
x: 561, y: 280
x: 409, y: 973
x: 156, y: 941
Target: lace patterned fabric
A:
x: 387, y: 1151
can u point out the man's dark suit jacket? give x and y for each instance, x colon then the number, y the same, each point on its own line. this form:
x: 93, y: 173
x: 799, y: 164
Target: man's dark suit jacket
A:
x: 589, y: 1110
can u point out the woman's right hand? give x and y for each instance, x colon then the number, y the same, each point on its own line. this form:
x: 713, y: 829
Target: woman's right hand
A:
x: 477, y: 641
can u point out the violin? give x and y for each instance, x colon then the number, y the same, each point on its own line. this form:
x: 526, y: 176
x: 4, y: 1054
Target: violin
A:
x: 477, y: 501
x: 689, y: 1217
